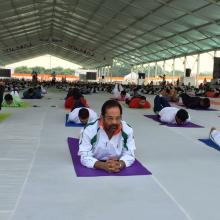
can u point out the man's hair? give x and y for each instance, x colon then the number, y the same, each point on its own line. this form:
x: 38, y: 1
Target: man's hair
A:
x: 123, y: 92
x: 142, y: 97
x: 8, y: 97
x: 83, y: 113
x: 182, y: 114
x: 206, y: 102
x: 30, y: 90
x: 76, y: 94
x: 110, y: 104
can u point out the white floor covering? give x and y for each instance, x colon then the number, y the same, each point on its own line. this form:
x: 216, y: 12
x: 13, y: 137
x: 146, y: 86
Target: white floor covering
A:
x: 38, y: 182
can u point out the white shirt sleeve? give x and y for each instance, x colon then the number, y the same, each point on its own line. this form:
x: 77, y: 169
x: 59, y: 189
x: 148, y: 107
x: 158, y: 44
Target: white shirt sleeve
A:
x: 74, y: 115
x: 215, y: 137
x: 85, y: 149
x: 128, y: 154
x: 92, y: 116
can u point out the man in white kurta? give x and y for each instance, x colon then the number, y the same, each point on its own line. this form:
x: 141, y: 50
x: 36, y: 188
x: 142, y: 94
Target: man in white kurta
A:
x: 82, y: 115
x: 107, y: 143
x: 169, y: 115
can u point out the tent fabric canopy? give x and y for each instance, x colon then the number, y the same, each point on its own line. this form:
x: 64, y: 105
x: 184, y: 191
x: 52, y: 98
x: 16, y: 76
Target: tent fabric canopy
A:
x: 131, y: 77
x: 92, y: 33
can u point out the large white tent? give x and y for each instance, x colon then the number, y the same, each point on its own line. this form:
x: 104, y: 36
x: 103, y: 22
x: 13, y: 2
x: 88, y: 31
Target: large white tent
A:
x: 131, y: 77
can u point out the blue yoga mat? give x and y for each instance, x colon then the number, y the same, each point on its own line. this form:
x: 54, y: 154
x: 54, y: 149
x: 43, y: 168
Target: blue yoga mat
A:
x: 210, y: 143
x: 72, y: 124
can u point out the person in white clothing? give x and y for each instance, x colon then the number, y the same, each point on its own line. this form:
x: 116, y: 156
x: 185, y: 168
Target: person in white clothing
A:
x: 117, y: 90
x: 172, y: 115
x: 108, y: 143
x: 168, y: 114
x: 123, y: 96
x: 82, y: 115
x: 214, y: 135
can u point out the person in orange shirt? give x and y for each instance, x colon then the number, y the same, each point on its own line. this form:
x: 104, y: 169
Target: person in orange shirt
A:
x: 75, y: 101
x: 211, y: 94
x: 139, y: 102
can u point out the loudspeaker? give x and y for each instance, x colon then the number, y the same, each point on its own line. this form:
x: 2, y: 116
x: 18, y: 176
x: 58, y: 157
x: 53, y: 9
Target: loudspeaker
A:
x: 188, y: 72
x: 141, y: 75
x: 5, y: 73
x: 91, y: 75
x: 216, y: 68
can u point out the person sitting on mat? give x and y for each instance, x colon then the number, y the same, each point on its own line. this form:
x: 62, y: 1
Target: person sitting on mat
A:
x: 170, y: 94
x: 11, y: 101
x: 214, y: 135
x: 138, y: 102
x: 108, y: 143
x: 195, y: 102
x: 168, y: 114
x: 82, y: 115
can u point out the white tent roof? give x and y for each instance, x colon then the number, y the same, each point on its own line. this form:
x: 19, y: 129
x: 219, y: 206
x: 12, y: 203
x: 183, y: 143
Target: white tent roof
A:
x: 131, y: 76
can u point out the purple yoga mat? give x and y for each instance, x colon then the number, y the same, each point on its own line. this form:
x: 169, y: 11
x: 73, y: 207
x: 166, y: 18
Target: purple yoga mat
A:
x: 136, y: 169
x: 187, y: 125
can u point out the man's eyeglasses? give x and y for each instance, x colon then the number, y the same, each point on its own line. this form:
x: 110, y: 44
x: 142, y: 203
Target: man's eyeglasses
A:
x: 110, y: 118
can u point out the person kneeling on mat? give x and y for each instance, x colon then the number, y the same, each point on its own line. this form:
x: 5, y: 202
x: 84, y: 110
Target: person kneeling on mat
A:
x: 108, y: 143
x: 139, y: 102
x: 168, y: 114
x: 82, y: 115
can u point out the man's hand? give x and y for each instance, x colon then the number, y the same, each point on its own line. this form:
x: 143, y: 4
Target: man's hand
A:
x: 111, y: 166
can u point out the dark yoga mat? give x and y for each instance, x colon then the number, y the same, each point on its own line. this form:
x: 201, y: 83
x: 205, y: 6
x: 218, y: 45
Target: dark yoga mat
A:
x: 187, y: 125
x: 136, y: 169
x: 72, y: 124
x: 210, y: 143
x: 198, y: 109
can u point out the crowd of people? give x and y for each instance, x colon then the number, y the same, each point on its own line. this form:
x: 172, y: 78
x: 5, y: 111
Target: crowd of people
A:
x: 106, y: 141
